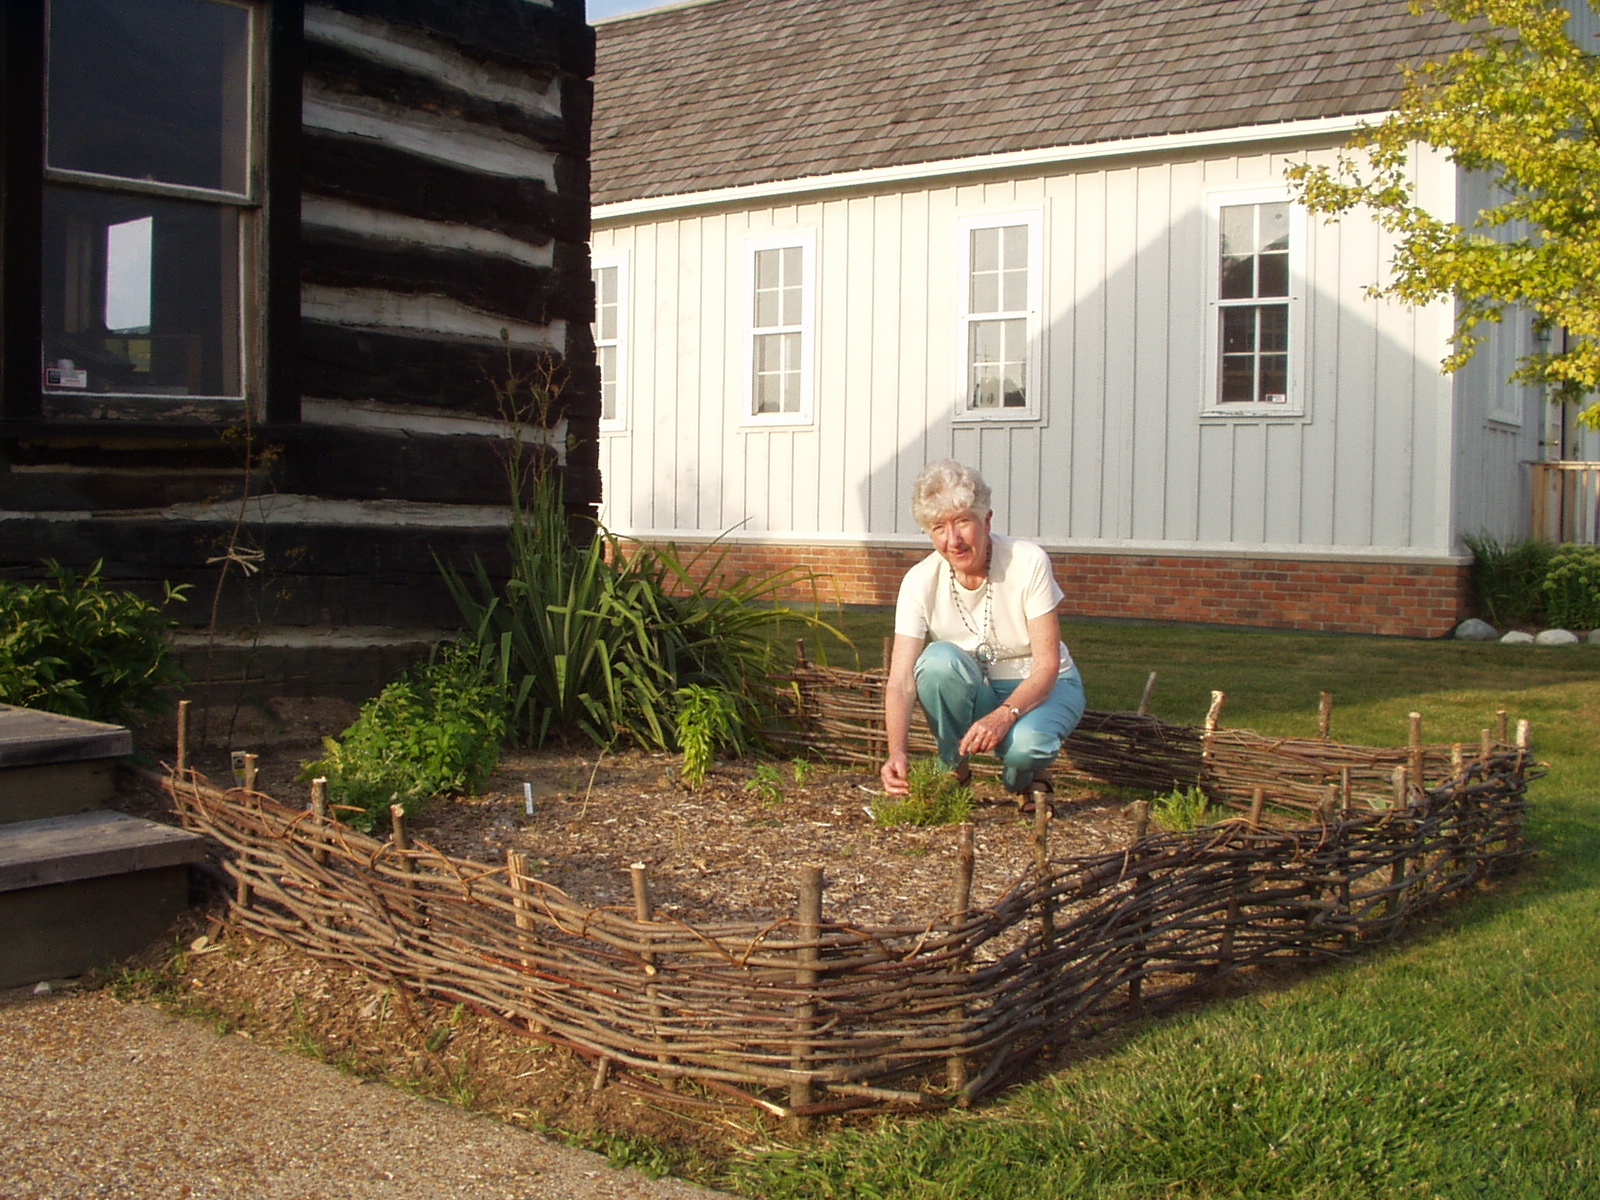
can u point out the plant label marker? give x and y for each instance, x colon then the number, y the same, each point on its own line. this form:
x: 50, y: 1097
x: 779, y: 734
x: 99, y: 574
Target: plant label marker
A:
x: 527, y: 798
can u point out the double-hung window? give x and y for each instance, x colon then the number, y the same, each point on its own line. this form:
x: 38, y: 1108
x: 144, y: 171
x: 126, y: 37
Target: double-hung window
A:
x: 151, y: 192
x: 782, y: 302
x: 1256, y: 280
x: 610, y: 337
x: 999, y: 327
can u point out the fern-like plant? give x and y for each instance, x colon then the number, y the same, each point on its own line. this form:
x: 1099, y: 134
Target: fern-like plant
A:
x: 706, y: 720
x: 935, y: 798
x: 1182, y: 809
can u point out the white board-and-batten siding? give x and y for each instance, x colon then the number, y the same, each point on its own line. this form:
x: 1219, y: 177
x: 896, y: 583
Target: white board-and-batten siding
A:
x: 1121, y: 455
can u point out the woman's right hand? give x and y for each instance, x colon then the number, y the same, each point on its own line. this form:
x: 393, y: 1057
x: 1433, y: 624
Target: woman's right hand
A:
x: 893, y: 775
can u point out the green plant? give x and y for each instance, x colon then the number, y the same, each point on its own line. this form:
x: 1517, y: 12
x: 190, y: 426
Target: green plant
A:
x: 74, y: 646
x: 803, y: 769
x: 767, y: 784
x: 594, y: 636
x: 1508, y: 579
x: 1572, y: 588
x: 1182, y: 809
x: 935, y: 798
x: 706, y: 718
x: 437, y: 729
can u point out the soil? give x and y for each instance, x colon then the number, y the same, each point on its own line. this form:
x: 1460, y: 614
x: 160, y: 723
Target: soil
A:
x: 729, y: 849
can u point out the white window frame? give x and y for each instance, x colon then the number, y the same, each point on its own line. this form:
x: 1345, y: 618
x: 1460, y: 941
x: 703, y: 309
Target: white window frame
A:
x: 1212, y: 404
x: 619, y: 263
x: 1033, y: 410
x: 806, y: 241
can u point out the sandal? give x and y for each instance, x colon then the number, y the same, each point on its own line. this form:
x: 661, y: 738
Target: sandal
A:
x: 962, y: 773
x: 1029, y: 798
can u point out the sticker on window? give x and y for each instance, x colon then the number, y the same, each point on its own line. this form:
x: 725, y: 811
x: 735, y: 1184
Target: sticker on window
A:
x: 1277, y: 398
x: 65, y: 375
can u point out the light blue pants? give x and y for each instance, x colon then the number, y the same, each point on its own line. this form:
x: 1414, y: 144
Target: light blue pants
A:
x: 954, y: 694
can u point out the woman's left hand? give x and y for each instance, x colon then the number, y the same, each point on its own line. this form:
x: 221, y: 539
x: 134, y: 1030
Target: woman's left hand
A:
x: 987, y: 732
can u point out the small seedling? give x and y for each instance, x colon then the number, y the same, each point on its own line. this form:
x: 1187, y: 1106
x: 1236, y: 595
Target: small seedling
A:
x: 935, y: 798
x: 1182, y: 809
x: 803, y: 768
x: 767, y: 784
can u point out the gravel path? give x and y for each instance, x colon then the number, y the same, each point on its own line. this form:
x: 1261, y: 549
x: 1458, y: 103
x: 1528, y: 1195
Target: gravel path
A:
x: 103, y: 1099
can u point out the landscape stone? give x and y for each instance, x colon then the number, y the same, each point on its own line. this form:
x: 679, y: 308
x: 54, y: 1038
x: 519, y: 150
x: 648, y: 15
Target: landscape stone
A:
x: 1594, y: 637
x: 1474, y: 630
x: 1517, y: 638
x: 1556, y: 637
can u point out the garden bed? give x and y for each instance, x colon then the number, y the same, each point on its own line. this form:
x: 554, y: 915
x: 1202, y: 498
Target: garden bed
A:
x: 914, y: 996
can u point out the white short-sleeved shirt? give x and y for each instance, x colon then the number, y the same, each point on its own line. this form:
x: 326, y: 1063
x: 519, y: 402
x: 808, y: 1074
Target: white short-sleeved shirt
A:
x: 1024, y: 588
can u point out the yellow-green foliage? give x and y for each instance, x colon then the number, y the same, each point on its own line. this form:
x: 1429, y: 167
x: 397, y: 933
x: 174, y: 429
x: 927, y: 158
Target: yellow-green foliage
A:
x: 935, y: 798
x: 1518, y: 104
x: 1183, y: 809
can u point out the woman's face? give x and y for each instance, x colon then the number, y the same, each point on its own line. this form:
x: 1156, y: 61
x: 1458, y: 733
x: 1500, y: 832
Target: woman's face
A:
x: 962, y: 539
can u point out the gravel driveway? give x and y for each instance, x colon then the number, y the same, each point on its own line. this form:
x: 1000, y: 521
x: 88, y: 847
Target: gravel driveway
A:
x: 99, y: 1098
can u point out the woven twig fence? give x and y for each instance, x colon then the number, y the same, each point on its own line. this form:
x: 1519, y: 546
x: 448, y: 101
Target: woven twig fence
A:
x: 838, y: 715
x: 812, y: 1014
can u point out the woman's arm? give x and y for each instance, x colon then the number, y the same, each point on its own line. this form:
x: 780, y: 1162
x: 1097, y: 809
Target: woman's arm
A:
x: 1044, y: 643
x: 898, y: 697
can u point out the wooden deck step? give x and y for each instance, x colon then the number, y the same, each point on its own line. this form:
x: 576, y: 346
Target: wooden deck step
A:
x: 88, y: 845
x: 52, y: 765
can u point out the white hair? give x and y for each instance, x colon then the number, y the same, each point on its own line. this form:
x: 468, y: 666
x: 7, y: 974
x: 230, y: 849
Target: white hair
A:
x: 946, y: 487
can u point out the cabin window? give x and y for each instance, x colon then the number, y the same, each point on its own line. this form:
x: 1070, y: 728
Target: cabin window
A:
x: 779, y: 369
x: 150, y: 199
x: 999, y: 322
x: 610, y: 337
x: 1256, y: 288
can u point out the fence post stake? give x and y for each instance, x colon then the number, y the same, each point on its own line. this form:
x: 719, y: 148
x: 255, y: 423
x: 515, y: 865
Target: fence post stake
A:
x: 644, y: 911
x: 182, y: 754
x: 1415, y: 745
x: 955, y: 1066
x: 319, y: 815
x: 1213, y: 717
x: 808, y: 921
x: 1144, y: 700
x: 1324, y: 715
x: 251, y: 770
x: 1500, y: 721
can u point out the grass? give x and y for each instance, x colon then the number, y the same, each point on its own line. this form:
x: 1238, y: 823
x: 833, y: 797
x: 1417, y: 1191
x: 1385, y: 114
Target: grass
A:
x: 1463, y: 1061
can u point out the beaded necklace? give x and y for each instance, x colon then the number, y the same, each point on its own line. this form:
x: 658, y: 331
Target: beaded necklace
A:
x: 985, y: 653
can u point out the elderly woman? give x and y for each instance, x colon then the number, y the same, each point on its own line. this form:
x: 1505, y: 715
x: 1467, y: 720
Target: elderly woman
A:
x: 995, y: 676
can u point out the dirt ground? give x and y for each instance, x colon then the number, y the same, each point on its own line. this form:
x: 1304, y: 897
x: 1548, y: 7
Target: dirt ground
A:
x: 730, y: 848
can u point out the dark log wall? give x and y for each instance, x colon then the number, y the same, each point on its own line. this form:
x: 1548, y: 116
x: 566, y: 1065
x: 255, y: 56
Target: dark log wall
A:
x: 442, y: 162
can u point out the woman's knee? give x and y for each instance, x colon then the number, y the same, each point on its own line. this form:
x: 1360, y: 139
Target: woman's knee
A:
x: 1032, y: 747
x: 940, y: 662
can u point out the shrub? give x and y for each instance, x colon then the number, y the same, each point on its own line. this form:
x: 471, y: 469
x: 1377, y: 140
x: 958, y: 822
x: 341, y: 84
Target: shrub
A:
x: 1508, y: 580
x: 935, y: 798
x: 1572, y: 588
x: 611, y: 641
x: 1182, y: 809
x: 437, y: 729
x: 73, y: 646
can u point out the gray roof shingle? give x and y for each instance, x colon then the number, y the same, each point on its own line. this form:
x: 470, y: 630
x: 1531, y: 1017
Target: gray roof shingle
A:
x: 733, y: 92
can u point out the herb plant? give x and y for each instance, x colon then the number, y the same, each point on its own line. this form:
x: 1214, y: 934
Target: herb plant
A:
x: 437, y: 729
x: 1572, y: 588
x: 935, y: 798
x: 1182, y: 809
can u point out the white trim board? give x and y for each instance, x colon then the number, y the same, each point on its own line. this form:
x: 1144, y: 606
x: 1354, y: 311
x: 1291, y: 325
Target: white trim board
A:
x: 979, y: 164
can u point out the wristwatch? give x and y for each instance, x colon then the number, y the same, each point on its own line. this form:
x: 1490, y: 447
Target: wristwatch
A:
x: 1016, y: 713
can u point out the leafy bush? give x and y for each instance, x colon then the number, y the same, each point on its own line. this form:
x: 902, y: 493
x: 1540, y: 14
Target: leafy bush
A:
x: 612, y: 641
x: 1508, y: 580
x: 437, y: 729
x: 1572, y: 588
x: 1182, y: 809
x: 74, y: 646
x: 935, y: 798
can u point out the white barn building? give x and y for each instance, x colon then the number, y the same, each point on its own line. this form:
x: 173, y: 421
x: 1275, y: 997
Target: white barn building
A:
x: 835, y: 240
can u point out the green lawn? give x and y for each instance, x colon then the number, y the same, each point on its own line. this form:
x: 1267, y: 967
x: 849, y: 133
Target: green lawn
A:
x: 1462, y: 1062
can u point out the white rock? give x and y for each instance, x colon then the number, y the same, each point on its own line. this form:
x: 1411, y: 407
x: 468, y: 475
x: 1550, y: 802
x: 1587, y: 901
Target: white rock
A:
x: 1556, y: 637
x: 1594, y: 637
x: 1517, y: 638
x: 1474, y: 630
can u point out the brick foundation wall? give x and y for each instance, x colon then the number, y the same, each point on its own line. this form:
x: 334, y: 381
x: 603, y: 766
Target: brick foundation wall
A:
x: 1342, y: 596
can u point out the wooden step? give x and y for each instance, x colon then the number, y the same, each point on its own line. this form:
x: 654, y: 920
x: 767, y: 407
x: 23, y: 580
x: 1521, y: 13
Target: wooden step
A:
x: 52, y: 765
x: 79, y: 892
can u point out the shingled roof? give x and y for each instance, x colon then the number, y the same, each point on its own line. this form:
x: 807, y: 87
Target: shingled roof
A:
x: 731, y: 92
